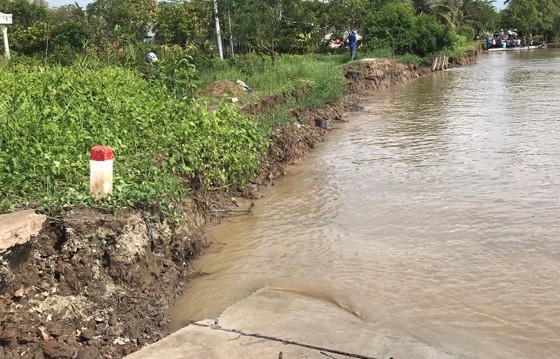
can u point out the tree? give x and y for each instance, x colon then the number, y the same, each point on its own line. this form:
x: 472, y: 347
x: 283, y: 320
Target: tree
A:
x: 29, y: 25
x: 522, y: 15
x: 431, y: 36
x: 259, y: 23
x: 353, y: 14
x: 69, y: 27
x: 184, y: 23
x: 393, y: 27
x: 303, y: 26
x: 549, y: 10
x: 122, y: 20
x: 481, y: 15
x: 25, y: 13
x: 533, y: 16
x: 447, y: 12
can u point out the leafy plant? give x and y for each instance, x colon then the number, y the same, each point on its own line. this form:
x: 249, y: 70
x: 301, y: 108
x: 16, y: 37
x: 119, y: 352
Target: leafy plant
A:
x: 163, y: 145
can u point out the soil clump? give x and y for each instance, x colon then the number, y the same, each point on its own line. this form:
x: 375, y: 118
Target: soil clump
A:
x: 94, y: 285
x: 223, y: 88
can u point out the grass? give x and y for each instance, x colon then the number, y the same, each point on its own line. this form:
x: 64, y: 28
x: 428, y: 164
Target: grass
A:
x: 321, y: 73
x: 163, y: 145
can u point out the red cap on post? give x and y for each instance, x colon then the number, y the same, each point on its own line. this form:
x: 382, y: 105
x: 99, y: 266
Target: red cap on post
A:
x: 101, y: 153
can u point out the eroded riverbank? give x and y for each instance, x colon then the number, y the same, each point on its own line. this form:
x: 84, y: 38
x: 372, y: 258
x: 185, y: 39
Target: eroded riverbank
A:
x: 94, y: 285
x: 431, y: 213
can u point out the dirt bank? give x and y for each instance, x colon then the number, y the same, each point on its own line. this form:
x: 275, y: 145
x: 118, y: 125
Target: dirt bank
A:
x: 95, y: 285
x: 468, y: 58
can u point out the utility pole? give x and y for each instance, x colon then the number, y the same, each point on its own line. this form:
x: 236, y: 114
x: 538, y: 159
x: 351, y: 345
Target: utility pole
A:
x: 218, y: 32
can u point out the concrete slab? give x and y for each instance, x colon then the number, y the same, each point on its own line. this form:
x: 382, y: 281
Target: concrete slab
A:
x: 19, y: 227
x: 204, y: 342
x: 270, y: 322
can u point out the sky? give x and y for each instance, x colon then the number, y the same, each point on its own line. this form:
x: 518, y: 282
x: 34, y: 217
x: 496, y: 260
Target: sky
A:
x: 52, y: 3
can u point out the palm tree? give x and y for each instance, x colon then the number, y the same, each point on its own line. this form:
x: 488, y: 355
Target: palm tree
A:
x: 446, y: 11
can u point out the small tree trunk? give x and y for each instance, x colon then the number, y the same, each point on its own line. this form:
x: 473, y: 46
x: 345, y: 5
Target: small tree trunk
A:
x: 272, y: 49
x: 230, y: 35
x: 218, y: 32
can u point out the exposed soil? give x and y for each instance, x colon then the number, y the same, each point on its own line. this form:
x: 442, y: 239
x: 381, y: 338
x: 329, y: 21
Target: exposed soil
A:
x: 223, y: 88
x: 98, y: 285
x: 95, y: 285
x: 469, y: 58
x: 372, y: 76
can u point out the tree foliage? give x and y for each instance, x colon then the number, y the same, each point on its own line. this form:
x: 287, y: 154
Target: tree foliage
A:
x: 122, y: 20
x: 267, y: 26
x: 431, y: 36
x: 29, y: 24
x: 259, y: 24
x: 184, y: 23
x: 481, y: 15
x: 533, y: 17
x: 393, y: 27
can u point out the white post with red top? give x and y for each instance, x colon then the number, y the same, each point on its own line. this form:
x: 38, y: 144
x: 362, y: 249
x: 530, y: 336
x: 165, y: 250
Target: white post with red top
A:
x: 101, y: 171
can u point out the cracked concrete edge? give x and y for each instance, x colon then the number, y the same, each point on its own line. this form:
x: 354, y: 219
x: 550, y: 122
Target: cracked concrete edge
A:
x: 19, y: 227
x: 269, y: 321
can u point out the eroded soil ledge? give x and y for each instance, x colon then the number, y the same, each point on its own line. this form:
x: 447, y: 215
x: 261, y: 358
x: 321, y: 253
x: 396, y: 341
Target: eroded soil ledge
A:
x: 97, y: 286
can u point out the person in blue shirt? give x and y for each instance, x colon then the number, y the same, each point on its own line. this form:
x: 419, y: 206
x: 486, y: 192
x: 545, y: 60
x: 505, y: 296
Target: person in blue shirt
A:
x: 352, y: 44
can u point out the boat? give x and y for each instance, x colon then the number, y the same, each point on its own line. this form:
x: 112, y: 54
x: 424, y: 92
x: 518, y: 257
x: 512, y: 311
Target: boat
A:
x: 517, y: 48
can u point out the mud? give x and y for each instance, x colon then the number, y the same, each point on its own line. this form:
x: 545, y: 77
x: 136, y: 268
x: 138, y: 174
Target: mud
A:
x: 468, y: 58
x: 95, y: 285
x: 372, y: 76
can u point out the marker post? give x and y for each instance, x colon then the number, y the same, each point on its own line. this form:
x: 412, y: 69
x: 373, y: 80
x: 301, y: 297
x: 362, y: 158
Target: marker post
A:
x: 101, y: 172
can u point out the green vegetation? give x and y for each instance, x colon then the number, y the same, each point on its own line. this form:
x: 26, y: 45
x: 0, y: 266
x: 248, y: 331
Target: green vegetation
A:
x: 78, y: 78
x: 163, y: 144
x: 533, y: 17
x: 320, y: 73
x: 108, y: 28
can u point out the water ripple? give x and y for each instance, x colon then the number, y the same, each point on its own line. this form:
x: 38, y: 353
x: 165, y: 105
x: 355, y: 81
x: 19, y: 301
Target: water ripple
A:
x: 435, y: 213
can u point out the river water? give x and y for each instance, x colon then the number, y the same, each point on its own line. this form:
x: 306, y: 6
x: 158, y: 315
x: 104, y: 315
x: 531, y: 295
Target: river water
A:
x: 434, y: 213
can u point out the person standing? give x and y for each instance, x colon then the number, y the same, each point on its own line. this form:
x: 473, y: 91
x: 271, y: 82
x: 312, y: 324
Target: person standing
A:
x: 352, y: 44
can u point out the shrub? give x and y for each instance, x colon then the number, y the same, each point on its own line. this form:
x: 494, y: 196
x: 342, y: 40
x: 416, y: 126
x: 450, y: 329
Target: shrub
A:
x: 431, y: 36
x: 467, y: 31
x: 163, y: 145
x: 393, y: 26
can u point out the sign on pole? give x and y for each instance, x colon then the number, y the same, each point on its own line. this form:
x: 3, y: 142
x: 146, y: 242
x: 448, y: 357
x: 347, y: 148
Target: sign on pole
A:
x: 5, y: 19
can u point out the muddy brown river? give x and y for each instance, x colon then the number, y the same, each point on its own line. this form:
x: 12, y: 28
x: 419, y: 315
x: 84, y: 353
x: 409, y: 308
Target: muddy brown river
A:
x: 433, y: 213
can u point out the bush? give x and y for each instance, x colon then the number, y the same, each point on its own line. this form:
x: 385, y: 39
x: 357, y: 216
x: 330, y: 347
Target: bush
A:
x: 162, y: 145
x: 467, y: 31
x: 393, y: 26
x: 396, y: 27
x: 431, y: 36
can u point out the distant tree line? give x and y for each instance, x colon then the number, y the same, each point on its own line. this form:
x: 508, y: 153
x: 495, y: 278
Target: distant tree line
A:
x: 419, y: 27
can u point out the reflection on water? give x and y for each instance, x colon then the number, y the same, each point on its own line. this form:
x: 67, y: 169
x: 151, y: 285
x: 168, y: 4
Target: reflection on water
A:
x: 434, y: 213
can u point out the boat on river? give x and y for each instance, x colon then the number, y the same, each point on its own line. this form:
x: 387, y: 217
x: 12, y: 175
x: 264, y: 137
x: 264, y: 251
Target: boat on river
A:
x: 517, y: 48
